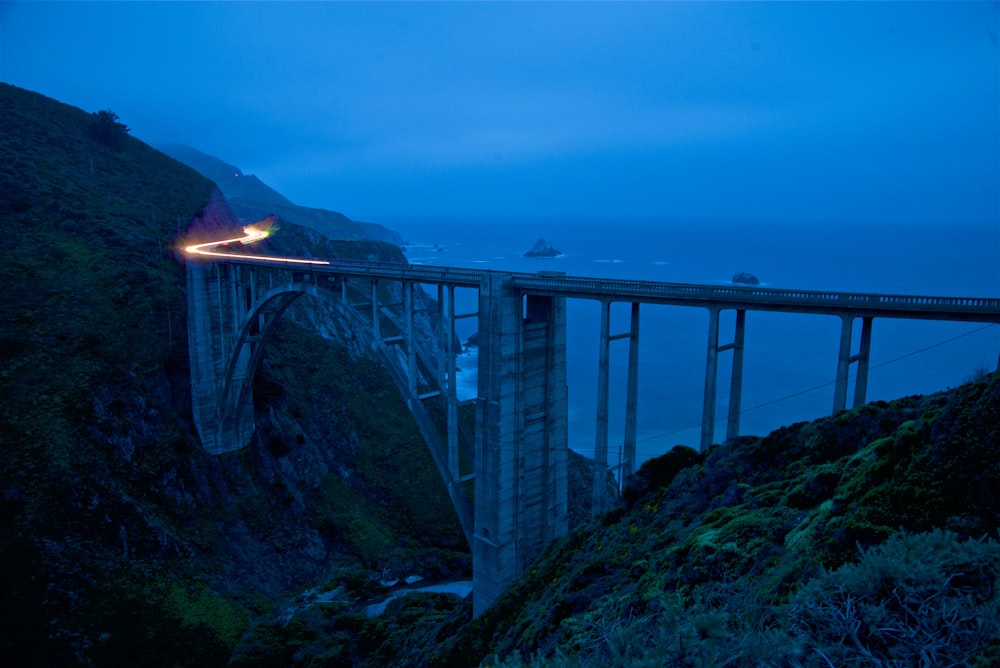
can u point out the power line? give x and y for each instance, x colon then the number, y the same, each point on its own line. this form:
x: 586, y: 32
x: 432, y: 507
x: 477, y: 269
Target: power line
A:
x: 820, y: 386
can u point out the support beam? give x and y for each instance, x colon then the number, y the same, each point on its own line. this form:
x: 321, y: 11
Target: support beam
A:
x: 863, y: 359
x: 600, y: 490
x: 447, y: 299
x: 843, y: 363
x: 631, y: 400
x: 411, y: 351
x: 223, y: 422
x: 521, y: 435
x: 376, y: 311
x: 711, y: 379
x: 736, y: 382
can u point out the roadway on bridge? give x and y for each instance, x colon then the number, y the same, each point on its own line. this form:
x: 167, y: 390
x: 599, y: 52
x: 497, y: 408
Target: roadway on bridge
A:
x: 965, y: 309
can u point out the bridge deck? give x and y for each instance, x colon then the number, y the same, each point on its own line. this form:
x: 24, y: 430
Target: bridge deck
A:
x: 970, y: 309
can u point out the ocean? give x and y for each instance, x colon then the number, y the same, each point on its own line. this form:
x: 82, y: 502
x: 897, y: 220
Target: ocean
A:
x: 790, y: 359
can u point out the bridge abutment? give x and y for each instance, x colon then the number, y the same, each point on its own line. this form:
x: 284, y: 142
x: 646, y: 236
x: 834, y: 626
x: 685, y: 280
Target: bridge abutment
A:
x: 218, y: 305
x: 521, y: 435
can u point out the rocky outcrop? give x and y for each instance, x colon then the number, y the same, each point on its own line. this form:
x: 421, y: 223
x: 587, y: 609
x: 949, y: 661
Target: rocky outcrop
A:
x: 746, y: 278
x: 542, y: 248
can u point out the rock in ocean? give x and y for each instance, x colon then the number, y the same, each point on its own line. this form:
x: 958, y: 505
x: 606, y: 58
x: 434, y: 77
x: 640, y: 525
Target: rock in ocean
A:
x: 542, y: 248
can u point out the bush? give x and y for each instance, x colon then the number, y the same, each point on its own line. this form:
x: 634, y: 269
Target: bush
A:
x: 923, y: 599
x: 106, y: 129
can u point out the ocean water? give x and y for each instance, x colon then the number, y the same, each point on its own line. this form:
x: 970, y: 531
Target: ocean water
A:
x: 790, y: 359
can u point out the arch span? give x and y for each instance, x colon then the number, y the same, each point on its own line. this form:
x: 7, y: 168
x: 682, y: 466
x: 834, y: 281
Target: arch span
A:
x: 235, y: 399
x: 519, y: 456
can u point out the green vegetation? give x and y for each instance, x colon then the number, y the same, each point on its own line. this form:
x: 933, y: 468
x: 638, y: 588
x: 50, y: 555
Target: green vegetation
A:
x: 106, y: 129
x: 121, y: 541
x: 866, y: 538
x: 386, y: 504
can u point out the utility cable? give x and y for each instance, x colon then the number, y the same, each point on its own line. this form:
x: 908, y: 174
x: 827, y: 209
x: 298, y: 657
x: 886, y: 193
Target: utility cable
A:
x: 818, y: 387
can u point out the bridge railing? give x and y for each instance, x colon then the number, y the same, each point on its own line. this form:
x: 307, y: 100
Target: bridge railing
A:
x: 629, y: 289
x: 639, y: 290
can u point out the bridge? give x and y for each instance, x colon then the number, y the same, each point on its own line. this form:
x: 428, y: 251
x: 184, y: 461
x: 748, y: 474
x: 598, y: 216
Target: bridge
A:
x: 508, y: 479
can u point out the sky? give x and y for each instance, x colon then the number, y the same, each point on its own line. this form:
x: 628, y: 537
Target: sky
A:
x: 755, y: 111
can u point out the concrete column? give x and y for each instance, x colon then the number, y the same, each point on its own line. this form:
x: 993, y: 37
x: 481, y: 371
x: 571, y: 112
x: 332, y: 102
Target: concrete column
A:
x: 631, y: 399
x: 711, y: 378
x: 601, y: 433
x: 411, y: 353
x: 376, y: 313
x: 494, y: 556
x: 450, y: 370
x: 222, y: 421
x: 521, y: 435
x: 736, y: 384
x: 863, y: 360
x: 203, y: 376
x: 843, y: 363
x: 544, y: 437
x: 441, y: 368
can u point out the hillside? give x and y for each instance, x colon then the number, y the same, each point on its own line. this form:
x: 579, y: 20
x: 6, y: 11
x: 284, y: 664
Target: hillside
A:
x: 866, y: 538
x: 251, y: 199
x: 122, y: 541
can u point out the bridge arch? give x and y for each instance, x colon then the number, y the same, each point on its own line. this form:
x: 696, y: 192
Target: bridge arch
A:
x: 235, y: 400
x: 519, y: 456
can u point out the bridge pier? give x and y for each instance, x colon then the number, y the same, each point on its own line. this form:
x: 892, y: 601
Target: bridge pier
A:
x: 711, y: 377
x: 600, y: 490
x: 447, y: 370
x: 845, y: 359
x: 631, y: 400
x: 217, y: 306
x: 521, y: 434
x: 626, y: 466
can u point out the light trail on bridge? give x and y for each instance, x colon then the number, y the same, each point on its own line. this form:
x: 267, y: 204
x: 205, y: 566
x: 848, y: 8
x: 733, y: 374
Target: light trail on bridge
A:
x: 251, y: 234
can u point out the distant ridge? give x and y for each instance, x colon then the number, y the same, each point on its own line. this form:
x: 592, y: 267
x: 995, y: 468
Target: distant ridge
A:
x: 252, y: 199
x: 231, y: 180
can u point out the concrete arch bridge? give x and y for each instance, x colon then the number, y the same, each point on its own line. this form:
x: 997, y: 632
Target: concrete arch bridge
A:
x: 516, y: 459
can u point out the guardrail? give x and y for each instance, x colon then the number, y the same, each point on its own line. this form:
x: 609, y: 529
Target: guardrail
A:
x: 983, y: 309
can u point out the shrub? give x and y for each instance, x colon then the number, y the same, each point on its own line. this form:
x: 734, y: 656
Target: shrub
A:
x: 918, y: 599
x: 106, y: 129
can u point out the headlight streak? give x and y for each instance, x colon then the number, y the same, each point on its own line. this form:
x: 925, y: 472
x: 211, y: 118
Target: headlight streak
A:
x: 250, y: 235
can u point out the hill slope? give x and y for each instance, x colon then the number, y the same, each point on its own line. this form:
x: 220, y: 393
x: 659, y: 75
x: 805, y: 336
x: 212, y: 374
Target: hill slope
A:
x: 852, y: 539
x: 867, y: 538
x: 121, y: 541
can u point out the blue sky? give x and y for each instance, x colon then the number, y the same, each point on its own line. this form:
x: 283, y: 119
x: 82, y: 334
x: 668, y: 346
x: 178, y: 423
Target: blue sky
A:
x: 749, y: 111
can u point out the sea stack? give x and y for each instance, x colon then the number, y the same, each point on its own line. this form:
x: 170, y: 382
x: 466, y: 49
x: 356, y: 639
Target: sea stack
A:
x: 542, y: 248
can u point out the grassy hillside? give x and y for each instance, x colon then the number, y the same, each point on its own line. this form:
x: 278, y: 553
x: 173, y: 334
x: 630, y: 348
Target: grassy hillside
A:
x: 121, y: 541
x: 868, y: 538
